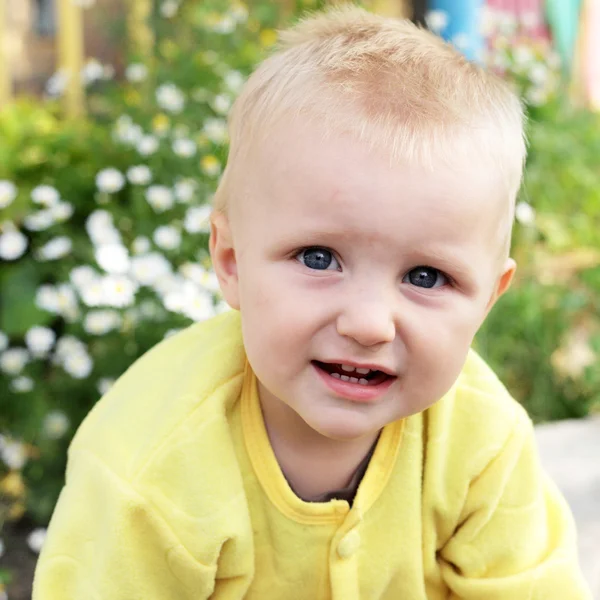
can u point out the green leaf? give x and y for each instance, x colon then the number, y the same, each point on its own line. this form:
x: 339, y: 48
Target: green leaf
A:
x: 18, y: 311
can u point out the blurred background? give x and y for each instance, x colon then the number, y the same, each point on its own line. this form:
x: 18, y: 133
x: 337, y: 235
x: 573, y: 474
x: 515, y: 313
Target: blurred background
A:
x: 112, y: 138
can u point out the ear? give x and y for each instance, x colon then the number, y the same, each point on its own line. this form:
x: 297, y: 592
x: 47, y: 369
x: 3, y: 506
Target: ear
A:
x: 223, y: 257
x: 503, y: 282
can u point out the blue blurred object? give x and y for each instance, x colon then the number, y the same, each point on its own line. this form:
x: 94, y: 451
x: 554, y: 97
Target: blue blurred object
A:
x: 563, y: 18
x: 463, y: 27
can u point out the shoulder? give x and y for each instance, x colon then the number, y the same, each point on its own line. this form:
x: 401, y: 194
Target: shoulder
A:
x: 190, y: 375
x: 475, y: 420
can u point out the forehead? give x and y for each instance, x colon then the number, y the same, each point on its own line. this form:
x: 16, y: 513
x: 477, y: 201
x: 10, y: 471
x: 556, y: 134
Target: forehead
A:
x: 304, y: 178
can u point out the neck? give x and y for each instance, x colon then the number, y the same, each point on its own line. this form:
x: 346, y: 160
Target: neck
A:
x: 312, y: 463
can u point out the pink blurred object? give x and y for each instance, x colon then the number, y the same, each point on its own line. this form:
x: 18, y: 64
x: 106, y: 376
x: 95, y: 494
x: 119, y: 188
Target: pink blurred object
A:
x: 590, y: 52
x: 529, y: 15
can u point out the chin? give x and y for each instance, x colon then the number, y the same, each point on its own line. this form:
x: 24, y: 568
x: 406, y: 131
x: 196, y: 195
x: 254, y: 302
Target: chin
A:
x: 343, y: 430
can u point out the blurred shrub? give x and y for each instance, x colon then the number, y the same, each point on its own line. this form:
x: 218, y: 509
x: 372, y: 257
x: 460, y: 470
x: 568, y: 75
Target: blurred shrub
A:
x: 543, y: 337
x: 104, y: 229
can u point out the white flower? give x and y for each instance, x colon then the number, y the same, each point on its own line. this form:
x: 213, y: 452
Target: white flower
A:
x: 461, y: 40
x: 523, y: 56
x: 36, y: 539
x: 234, y: 80
x: 148, y: 268
x: 8, y: 192
x: 147, y: 145
x: 60, y: 300
x: 100, y: 228
x: 46, y: 298
x: 99, y: 322
x: 13, y: 360
x: 118, y: 290
x: 184, y: 148
x: 62, y: 211
x: 55, y: 425
x: 56, y: 248
x: 40, y: 220
x: 536, y: 96
x: 92, y: 292
x: 437, y: 20
x: 14, y: 454
x: 190, y: 301
x: 200, y: 276
x: 221, y: 104
x: 210, y: 165
x: 507, y: 23
x: 140, y: 245
x: 113, y: 258
x: 12, y: 244
x: 169, y: 283
x: 104, y: 384
x: 78, y: 364
x: 167, y: 237
x: 225, y: 25
x: 92, y: 71
x: 45, y: 195
x: 22, y: 384
x: 40, y: 340
x: 136, y: 72
x: 169, y: 8
x: 525, y: 214
x: 127, y: 131
x: 82, y: 276
x: 539, y: 74
x: 185, y: 189
x: 170, y: 98
x: 110, y: 180
x: 197, y: 219
x: 3, y: 341
x: 57, y: 83
x: 215, y: 130
x: 239, y: 12
x: 159, y: 197
x: 68, y: 344
x: 139, y: 175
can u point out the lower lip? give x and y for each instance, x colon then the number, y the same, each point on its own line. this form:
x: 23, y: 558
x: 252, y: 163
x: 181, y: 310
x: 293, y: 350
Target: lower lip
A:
x: 354, y: 391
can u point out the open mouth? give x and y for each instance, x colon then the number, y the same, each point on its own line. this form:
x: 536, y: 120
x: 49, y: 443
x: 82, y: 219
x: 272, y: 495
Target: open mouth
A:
x: 356, y: 375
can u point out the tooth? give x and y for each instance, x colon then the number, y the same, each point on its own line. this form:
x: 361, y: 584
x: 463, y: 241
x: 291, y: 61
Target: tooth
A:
x: 344, y: 378
x: 363, y: 381
x: 363, y: 371
x: 347, y: 368
x: 336, y: 375
x: 353, y: 380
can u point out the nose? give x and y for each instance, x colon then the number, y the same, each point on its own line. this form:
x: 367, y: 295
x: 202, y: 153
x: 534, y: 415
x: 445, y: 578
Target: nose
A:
x: 369, y: 323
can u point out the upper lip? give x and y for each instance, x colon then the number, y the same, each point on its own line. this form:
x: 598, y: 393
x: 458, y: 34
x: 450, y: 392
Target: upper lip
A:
x: 357, y: 365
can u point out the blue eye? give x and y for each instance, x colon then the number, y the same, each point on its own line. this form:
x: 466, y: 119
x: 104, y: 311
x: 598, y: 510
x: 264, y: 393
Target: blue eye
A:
x: 319, y: 259
x: 425, y: 277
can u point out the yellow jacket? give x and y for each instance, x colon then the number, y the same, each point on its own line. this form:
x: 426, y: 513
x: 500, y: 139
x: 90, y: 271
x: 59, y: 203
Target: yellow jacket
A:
x: 173, y: 492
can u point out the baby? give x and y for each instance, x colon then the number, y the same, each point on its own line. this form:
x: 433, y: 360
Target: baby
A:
x: 333, y: 436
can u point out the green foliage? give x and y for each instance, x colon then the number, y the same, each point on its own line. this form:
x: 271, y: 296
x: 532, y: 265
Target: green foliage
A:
x: 543, y: 338
x: 104, y: 230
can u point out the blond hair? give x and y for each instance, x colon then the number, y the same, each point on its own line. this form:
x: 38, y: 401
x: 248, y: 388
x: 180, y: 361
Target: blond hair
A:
x: 388, y: 83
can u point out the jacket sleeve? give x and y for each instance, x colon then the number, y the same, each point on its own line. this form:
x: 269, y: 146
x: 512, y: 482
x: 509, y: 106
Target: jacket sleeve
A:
x: 516, y: 536
x: 106, y: 543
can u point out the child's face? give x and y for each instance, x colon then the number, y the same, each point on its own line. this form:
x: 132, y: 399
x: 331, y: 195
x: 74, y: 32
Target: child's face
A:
x: 333, y: 257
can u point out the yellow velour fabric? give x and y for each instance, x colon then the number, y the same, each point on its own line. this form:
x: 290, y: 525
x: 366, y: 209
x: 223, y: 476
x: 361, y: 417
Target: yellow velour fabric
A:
x: 173, y: 492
